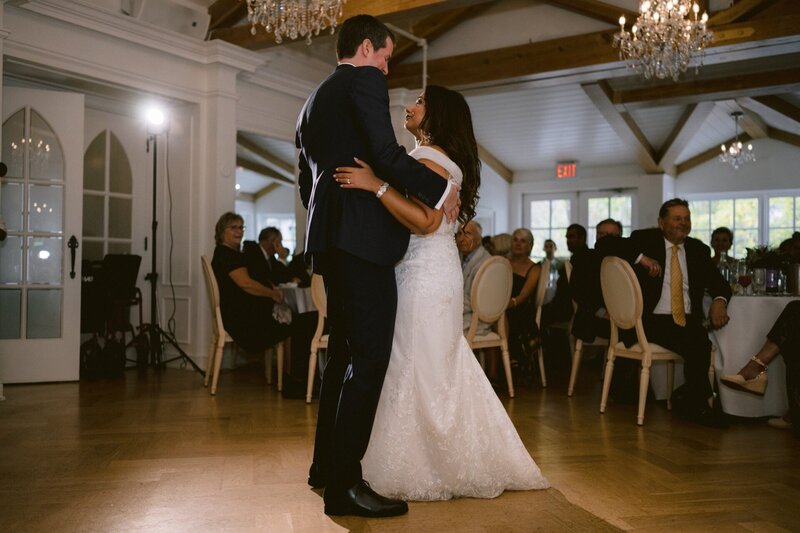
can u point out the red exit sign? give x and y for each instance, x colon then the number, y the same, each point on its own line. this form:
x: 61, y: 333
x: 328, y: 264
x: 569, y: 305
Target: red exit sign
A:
x: 566, y: 169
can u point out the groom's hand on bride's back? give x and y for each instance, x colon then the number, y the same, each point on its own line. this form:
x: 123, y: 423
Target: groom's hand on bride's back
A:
x: 452, y: 204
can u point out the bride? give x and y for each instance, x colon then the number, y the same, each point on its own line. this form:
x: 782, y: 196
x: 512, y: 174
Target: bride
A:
x: 440, y: 431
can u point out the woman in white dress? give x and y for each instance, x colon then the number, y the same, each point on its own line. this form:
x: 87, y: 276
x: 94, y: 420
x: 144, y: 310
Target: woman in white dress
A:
x: 440, y: 431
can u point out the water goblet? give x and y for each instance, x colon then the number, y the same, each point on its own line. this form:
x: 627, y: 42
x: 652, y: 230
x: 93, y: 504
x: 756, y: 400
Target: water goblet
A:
x: 759, y: 280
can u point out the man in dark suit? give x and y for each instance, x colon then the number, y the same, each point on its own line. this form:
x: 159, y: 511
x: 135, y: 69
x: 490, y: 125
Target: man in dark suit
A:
x: 673, y: 302
x: 354, y: 243
x: 263, y: 263
x: 590, y: 318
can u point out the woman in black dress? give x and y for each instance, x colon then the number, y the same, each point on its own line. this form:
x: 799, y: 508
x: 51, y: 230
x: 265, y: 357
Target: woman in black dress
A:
x: 246, y: 304
x: 521, y: 311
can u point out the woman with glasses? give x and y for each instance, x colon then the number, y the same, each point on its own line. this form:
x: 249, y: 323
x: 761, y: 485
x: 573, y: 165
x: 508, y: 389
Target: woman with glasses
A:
x: 246, y: 304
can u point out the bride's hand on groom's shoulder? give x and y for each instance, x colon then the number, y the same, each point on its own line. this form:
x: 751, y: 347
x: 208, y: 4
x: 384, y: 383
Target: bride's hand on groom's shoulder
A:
x: 359, y: 177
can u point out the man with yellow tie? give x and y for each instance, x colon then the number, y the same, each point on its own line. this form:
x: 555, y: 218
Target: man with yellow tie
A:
x: 673, y: 297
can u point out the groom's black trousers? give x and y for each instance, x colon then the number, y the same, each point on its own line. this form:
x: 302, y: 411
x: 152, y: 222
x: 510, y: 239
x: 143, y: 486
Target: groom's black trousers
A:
x: 362, y: 302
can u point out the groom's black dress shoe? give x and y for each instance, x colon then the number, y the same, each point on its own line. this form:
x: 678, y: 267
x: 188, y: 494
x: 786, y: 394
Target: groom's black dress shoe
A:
x: 315, y: 478
x: 361, y: 500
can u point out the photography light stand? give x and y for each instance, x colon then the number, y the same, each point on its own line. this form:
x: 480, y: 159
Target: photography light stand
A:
x: 156, y: 335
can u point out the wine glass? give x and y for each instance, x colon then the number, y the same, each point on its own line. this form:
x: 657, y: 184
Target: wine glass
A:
x: 759, y: 280
x: 745, y: 277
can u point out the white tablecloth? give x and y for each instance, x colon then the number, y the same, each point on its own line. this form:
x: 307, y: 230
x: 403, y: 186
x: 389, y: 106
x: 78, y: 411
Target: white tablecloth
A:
x: 751, y: 319
x: 298, y: 298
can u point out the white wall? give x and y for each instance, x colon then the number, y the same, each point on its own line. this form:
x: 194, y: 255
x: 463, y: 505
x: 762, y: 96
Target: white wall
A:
x: 777, y: 166
x: 493, y: 202
x: 651, y: 190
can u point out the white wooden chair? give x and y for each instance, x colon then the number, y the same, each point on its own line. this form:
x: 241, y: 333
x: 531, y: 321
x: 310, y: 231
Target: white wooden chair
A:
x: 489, y: 296
x: 320, y: 340
x: 624, y: 303
x: 576, y: 344
x: 541, y: 288
x: 219, y: 336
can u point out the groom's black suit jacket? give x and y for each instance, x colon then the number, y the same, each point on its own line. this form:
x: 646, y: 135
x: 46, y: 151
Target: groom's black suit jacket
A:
x: 348, y: 116
x: 354, y: 243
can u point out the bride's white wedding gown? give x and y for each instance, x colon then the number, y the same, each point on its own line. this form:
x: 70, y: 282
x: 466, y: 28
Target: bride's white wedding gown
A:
x: 440, y: 431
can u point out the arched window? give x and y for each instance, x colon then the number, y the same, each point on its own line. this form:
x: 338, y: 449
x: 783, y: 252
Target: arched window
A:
x: 107, y: 198
x: 31, y: 274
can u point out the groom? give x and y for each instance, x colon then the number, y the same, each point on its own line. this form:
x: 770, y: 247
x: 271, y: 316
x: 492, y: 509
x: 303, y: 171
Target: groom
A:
x: 354, y: 243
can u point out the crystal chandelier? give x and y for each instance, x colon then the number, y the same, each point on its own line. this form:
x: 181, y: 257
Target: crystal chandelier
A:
x: 735, y: 154
x: 664, y: 38
x: 294, y: 18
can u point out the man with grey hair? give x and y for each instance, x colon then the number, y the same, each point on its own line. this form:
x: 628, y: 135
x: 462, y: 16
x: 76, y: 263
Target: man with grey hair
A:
x: 473, y: 255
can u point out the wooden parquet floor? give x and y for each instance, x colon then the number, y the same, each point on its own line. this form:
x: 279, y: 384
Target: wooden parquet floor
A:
x: 155, y: 452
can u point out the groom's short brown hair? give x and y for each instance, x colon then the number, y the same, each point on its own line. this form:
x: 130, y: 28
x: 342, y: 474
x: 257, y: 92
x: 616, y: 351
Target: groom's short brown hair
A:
x: 357, y: 28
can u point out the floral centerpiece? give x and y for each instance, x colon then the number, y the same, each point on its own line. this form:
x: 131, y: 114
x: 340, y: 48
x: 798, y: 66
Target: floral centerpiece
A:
x: 763, y: 256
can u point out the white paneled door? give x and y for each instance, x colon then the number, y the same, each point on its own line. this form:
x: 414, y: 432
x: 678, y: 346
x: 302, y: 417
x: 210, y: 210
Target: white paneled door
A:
x: 41, y: 203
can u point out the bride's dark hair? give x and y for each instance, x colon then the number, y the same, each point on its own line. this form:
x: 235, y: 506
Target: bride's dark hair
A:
x: 448, y: 122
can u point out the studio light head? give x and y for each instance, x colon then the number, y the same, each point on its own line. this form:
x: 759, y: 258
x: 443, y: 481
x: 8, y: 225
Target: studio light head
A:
x: 156, y: 119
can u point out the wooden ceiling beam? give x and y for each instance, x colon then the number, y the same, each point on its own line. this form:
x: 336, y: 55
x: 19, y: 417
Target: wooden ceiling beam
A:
x: 753, y: 125
x: 265, y: 190
x: 780, y: 105
x: 738, y: 11
x: 563, y: 54
x: 434, y: 26
x: 263, y: 170
x: 242, y: 36
x: 750, y: 84
x: 226, y: 13
x: 622, y: 124
x: 495, y: 164
x: 282, y: 167
x: 784, y: 136
x: 708, y: 155
x: 682, y: 134
x: 596, y: 10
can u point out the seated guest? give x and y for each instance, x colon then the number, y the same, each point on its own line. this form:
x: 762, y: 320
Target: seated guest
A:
x: 473, y: 255
x: 790, y: 248
x: 521, y: 312
x: 501, y: 244
x: 265, y: 264
x: 576, y: 239
x: 299, y: 270
x: 591, y: 318
x: 486, y: 242
x: 721, y: 241
x: 266, y: 261
x: 783, y: 338
x: 550, y: 249
x: 673, y: 302
x: 246, y: 304
x: 558, y: 302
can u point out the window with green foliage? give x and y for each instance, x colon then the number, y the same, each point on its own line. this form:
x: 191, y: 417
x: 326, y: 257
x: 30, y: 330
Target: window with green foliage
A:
x: 549, y: 220
x: 784, y: 218
x: 741, y: 215
x: 617, y: 207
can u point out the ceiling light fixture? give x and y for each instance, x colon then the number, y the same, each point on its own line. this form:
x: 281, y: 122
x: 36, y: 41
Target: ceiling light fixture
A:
x: 666, y: 37
x: 294, y: 18
x: 735, y: 154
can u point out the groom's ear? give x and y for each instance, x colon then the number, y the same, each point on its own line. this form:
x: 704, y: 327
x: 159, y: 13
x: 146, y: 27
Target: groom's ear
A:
x: 366, y: 47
